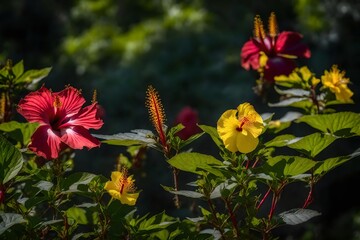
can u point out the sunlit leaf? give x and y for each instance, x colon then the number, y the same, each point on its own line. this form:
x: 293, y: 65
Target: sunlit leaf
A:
x: 18, y: 68
x: 280, y: 141
x: 297, y: 216
x: 33, y: 76
x: 78, y: 215
x: 196, y: 163
x: 213, y: 134
x: 186, y: 193
x: 289, y: 166
x: 313, y: 144
x: 216, y: 193
x: 293, y: 92
x: 20, y: 132
x: 135, y: 137
x: 341, y: 124
x: 325, y: 166
x: 10, y: 219
x: 74, y: 182
x: 290, y: 102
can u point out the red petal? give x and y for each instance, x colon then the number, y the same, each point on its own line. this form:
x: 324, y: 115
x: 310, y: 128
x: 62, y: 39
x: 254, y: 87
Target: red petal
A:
x: 250, y: 55
x: 37, y: 106
x: 71, y: 101
x: 78, y: 137
x: 87, y: 118
x: 45, y: 142
x: 290, y: 43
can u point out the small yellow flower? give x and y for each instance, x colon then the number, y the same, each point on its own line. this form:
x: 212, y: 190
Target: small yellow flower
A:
x: 337, y: 83
x: 239, y: 129
x: 121, y: 187
x: 299, y: 77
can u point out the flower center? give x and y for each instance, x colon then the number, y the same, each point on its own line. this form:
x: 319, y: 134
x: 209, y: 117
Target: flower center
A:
x: 57, y: 103
x: 242, y: 122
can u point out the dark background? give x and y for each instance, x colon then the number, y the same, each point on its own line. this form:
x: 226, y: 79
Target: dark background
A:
x: 190, y: 52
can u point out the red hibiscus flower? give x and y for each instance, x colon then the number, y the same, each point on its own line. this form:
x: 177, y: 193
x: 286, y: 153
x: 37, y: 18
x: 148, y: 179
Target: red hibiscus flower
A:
x: 63, y: 121
x: 189, y: 118
x: 272, y: 53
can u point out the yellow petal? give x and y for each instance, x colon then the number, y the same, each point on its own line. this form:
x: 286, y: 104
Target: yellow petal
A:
x: 109, y: 185
x: 129, y: 198
x: 344, y: 95
x: 246, y: 144
x: 116, y: 176
x: 115, y: 194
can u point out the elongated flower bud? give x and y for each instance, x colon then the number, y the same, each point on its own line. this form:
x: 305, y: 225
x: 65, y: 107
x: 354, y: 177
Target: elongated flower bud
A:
x: 156, y: 112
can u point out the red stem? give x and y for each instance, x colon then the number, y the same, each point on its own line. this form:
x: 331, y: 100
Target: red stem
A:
x: 263, y: 199
x: 309, y: 198
x: 232, y: 217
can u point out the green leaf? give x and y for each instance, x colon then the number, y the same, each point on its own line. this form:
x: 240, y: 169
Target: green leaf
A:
x: 18, y: 68
x: 11, y: 160
x: 289, y: 166
x: 10, y: 219
x: 216, y: 193
x: 33, y: 76
x: 135, y: 137
x: 293, y: 92
x: 280, y: 141
x: 21, y: 132
x: 74, y: 182
x: 297, y: 216
x: 77, y: 215
x: 154, y: 223
x: 312, y: 144
x: 196, y: 163
x: 186, y: 193
x: 290, y: 102
x: 325, y: 166
x: 213, y: 134
x: 341, y: 124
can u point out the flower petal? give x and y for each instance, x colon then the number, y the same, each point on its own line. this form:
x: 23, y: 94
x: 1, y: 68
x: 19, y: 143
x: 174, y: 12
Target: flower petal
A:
x: 46, y: 143
x: 115, y: 194
x: 37, y: 106
x: 78, y: 137
x: 246, y: 144
x: 71, y: 101
x: 250, y: 55
x: 110, y: 185
x: 290, y: 43
x: 129, y: 198
x: 87, y: 118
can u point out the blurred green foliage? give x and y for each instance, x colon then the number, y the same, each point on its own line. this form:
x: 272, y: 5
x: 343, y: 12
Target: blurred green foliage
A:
x: 189, y: 51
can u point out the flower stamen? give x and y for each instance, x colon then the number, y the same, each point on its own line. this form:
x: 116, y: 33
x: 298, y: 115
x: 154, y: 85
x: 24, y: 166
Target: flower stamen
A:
x: 259, y: 32
x: 57, y: 102
x: 273, y: 27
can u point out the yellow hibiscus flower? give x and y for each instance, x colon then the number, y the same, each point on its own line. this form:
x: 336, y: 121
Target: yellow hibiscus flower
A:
x: 239, y: 129
x: 121, y: 187
x: 337, y: 83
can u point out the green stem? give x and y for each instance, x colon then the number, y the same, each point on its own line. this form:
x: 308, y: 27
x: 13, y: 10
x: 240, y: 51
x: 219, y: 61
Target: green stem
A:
x: 217, y: 224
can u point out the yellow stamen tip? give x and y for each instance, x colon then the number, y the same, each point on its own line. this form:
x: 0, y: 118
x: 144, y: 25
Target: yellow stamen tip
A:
x: 57, y: 103
x: 273, y: 27
x: 259, y: 31
x: 94, y: 96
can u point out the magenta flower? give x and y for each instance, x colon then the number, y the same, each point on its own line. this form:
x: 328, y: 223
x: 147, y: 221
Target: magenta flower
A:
x: 189, y: 118
x: 63, y: 121
x: 272, y: 54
